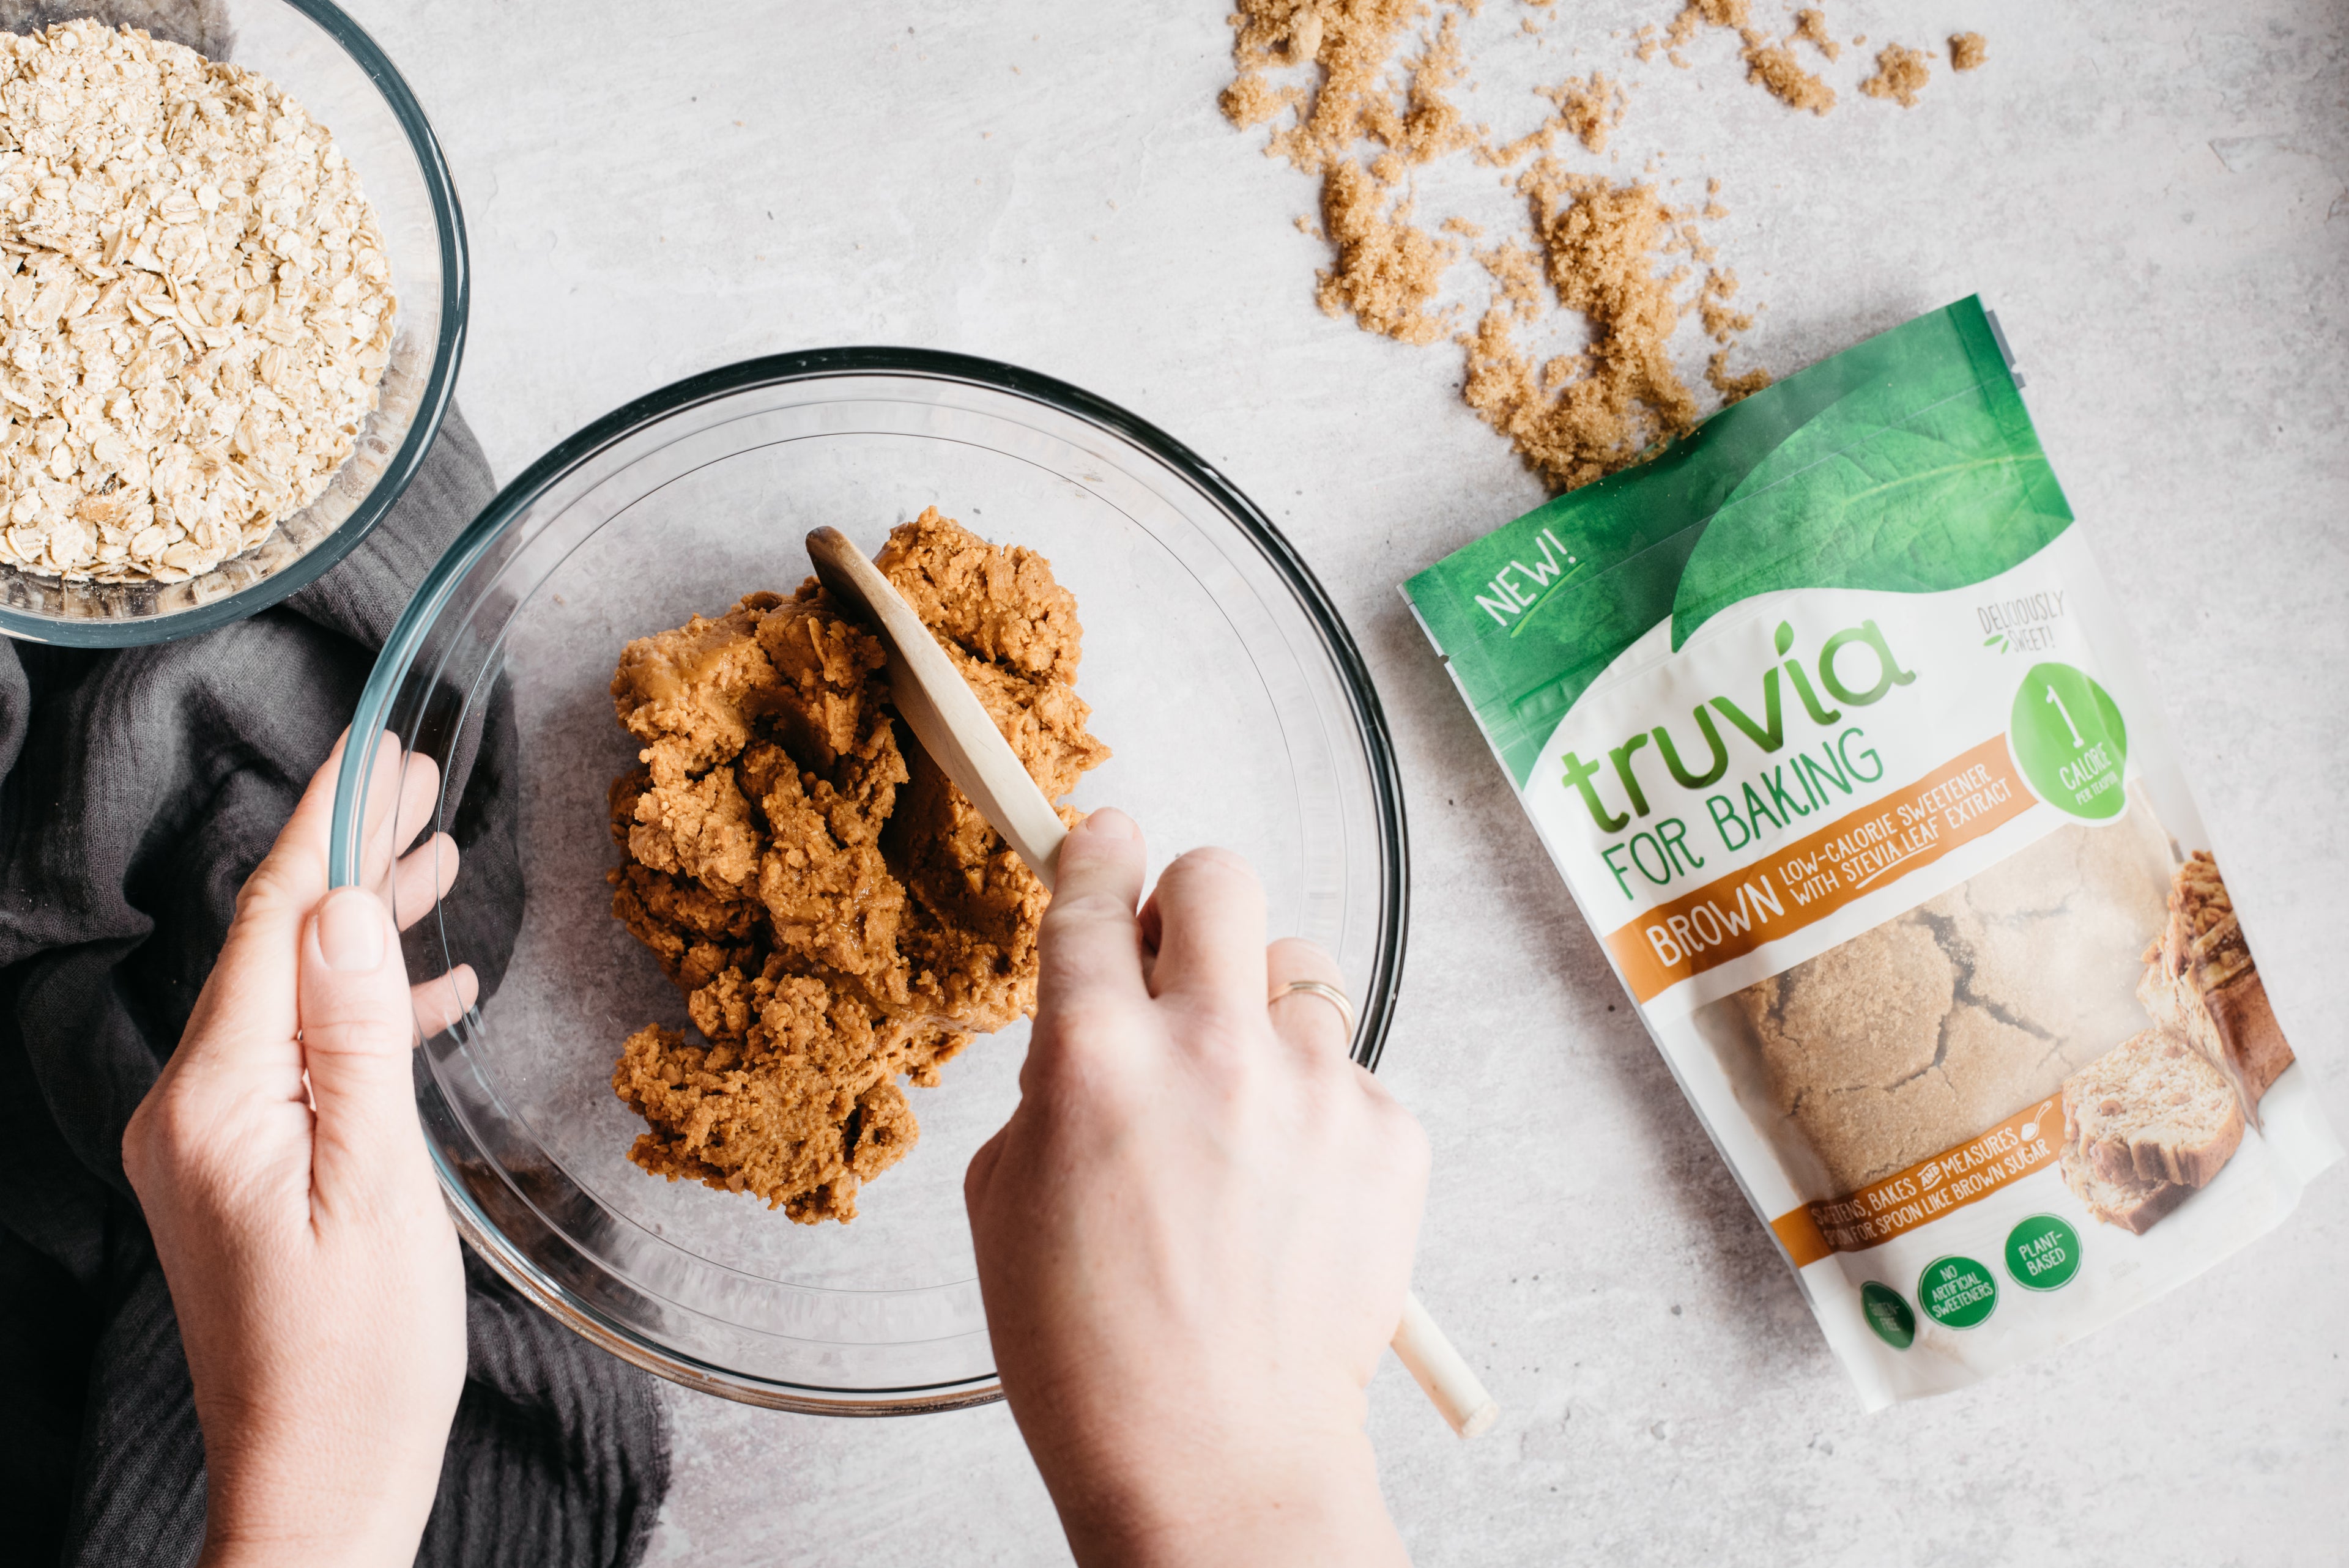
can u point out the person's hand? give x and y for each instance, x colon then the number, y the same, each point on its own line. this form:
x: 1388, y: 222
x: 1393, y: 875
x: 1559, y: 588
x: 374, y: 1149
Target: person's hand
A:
x: 1195, y: 1233
x: 314, y: 1271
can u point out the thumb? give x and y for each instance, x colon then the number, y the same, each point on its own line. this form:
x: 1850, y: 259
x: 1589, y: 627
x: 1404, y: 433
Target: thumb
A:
x: 357, y: 1029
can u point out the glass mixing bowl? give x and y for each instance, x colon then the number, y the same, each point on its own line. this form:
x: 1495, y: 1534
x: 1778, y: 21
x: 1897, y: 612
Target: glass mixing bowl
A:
x: 1236, y: 701
x: 346, y: 84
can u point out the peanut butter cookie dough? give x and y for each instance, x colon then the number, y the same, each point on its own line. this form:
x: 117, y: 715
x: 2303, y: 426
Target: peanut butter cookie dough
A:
x: 836, y: 911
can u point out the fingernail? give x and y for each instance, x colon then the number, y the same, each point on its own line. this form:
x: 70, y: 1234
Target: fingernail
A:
x: 1108, y: 822
x: 350, y: 931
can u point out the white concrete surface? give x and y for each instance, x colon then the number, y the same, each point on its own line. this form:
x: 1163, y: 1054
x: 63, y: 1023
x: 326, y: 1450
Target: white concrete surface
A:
x: 2154, y: 197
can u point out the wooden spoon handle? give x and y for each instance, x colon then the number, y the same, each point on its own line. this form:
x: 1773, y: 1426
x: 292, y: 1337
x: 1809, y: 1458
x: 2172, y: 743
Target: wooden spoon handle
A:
x: 1449, y: 1382
x: 940, y: 708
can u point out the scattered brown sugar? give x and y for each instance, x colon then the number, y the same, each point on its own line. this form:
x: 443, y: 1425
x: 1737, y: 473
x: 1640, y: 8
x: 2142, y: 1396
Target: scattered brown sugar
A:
x: 1252, y: 100
x: 1770, y: 65
x: 1601, y: 251
x: 1388, y: 269
x: 1580, y: 418
x: 1811, y: 25
x: 1517, y: 277
x: 837, y: 914
x: 1352, y: 40
x: 1900, y: 71
x: 1968, y: 51
x: 1648, y: 44
x: 1587, y: 109
x: 1721, y: 323
x: 1775, y: 68
x: 1696, y: 13
x: 1733, y: 389
x: 1426, y: 124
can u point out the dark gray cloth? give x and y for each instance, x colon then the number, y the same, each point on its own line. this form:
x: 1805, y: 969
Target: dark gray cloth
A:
x: 141, y: 787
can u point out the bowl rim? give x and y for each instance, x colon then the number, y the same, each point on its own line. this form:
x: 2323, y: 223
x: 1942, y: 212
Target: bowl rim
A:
x: 424, y: 608
x: 448, y: 352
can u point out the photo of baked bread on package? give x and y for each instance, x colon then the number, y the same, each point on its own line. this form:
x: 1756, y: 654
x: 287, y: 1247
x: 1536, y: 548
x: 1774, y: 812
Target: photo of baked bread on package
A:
x: 2200, y: 983
x: 1834, y: 730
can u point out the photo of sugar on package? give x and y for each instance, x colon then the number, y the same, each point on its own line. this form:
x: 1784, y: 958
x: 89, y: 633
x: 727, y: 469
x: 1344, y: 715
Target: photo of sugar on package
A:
x: 1832, y: 729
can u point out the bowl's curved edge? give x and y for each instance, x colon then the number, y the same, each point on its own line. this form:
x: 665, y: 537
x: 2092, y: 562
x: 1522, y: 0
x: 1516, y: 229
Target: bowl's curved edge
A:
x: 491, y: 1248
x: 432, y: 407
x: 400, y: 649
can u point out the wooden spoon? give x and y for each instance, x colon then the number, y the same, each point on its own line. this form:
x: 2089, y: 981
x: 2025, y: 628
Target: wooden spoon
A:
x: 946, y: 718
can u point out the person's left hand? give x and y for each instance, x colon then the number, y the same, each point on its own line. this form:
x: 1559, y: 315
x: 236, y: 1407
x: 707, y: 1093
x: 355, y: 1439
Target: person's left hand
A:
x: 319, y: 1290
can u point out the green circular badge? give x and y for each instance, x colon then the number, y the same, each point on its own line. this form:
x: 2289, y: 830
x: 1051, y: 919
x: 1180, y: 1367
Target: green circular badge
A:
x: 2068, y: 738
x: 2043, y: 1252
x: 1888, y: 1314
x: 1958, y: 1291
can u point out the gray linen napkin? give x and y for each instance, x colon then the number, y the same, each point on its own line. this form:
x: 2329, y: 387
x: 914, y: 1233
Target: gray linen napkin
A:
x: 137, y: 789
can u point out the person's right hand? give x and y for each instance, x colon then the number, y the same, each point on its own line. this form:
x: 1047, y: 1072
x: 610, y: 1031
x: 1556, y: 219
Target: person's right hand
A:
x: 1195, y: 1233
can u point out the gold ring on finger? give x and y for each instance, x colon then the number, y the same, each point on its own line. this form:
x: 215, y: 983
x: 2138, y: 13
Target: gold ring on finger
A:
x: 1328, y: 993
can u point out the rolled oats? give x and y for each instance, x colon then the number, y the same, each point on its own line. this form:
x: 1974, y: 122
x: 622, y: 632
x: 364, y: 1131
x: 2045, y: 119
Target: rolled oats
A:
x: 195, y: 306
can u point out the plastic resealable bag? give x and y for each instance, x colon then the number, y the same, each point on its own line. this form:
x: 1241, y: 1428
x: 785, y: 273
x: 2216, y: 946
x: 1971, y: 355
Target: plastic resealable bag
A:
x: 1830, y: 724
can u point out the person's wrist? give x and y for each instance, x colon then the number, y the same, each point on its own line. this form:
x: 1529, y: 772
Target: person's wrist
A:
x: 1315, y: 1501
x: 268, y: 1512
x: 318, y: 1551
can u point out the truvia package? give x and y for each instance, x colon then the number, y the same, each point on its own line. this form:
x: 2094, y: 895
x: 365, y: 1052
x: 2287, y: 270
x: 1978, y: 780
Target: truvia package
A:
x: 1831, y: 724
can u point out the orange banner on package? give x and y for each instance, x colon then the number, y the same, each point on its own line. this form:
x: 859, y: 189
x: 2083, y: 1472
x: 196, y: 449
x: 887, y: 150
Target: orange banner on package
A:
x: 1927, y: 1190
x: 1810, y: 879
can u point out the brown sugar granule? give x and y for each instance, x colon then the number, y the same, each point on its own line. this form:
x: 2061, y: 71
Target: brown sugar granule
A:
x: 1900, y: 71
x: 836, y: 912
x: 1769, y: 64
x: 1774, y: 66
x: 1587, y: 109
x: 1426, y: 124
x: 1731, y: 14
x: 1388, y: 270
x: 1516, y: 274
x: 1722, y: 321
x: 1252, y: 100
x: 1968, y: 51
x: 1733, y: 389
x: 1578, y: 418
x: 1352, y: 40
x: 1811, y: 25
x: 1648, y: 44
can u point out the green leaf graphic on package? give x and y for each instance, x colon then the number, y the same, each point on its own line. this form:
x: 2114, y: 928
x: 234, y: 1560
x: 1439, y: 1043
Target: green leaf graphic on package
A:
x: 1946, y: 497
x: 1906, y: 463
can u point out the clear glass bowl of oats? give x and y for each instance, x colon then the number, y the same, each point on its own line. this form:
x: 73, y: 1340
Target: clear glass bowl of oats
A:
x: 233, y: 282
x: 1236, y: 704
